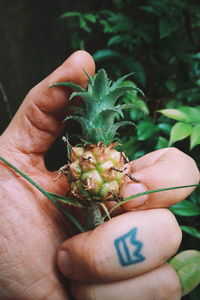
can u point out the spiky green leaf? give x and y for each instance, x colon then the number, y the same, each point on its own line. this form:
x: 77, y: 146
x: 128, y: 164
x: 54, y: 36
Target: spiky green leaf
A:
x: 114, y: 95
x: 92, y: 107
x: 91, y: 79
x: 123, y: 123
x: 85, y: 124
x: 113, y: 129
x: 119, y: 81
x: 69, y: 84
x: 77, y: 110
x: 126, y: 106
x: 107, y: 117
x: 101, y: 85
x: 100, y: 106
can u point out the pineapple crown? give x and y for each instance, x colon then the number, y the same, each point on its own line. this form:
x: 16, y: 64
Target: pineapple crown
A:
x: 97, y: 115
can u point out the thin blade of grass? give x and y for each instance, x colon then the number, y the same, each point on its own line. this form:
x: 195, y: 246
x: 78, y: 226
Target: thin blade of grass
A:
x: 50, y: 196
x: 149, y: 192
x: 105, y: 210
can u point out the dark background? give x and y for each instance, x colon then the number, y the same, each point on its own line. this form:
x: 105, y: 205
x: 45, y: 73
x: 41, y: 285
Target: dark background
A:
x: 34, y: 41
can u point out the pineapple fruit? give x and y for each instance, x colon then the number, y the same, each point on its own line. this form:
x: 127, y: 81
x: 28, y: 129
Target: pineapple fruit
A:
x: 95, y: 168
x: 95, y: 172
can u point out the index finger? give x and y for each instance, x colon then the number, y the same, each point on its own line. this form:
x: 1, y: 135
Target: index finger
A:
x: 163, y: 168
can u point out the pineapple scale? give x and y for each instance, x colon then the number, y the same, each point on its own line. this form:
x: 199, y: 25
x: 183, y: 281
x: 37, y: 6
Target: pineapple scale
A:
x: 95, y: 172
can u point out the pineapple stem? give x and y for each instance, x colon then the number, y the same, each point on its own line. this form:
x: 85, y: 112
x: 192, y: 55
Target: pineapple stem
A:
x: 93, y: 215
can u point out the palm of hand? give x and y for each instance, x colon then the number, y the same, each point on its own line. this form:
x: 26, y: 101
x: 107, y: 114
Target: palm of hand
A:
x: 31, y: 227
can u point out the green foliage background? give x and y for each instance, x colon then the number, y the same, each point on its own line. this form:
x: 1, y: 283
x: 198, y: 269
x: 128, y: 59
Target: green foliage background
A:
x: 157, y: 40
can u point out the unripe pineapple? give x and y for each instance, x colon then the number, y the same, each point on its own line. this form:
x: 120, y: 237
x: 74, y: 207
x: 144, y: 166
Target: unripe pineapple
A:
x: 95, y: 172
x: 95, y: 169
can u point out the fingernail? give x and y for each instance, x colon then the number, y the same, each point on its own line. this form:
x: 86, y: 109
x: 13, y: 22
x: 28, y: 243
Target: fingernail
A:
x: 130, y: 189
x: 64, y: 262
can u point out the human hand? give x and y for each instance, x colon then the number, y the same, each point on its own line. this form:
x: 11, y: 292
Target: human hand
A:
x: 32, y: 228
x: 125, y: 258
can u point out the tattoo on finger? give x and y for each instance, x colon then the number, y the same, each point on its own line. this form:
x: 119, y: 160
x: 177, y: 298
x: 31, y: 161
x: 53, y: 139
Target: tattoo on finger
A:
x: 129, y: 248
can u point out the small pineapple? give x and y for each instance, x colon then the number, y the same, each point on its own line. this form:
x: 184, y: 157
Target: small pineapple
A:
x: 95, y: 172
x: 95, y: 169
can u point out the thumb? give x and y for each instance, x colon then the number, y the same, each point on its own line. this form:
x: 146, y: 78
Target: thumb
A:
x: 39, y: 119
x: 164, y: 168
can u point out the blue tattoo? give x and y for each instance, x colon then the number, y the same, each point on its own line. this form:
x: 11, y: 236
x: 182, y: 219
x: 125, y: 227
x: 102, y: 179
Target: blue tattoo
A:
x: 129, y: 248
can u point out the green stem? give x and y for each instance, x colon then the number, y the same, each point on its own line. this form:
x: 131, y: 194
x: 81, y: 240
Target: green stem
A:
x: 93, y: 215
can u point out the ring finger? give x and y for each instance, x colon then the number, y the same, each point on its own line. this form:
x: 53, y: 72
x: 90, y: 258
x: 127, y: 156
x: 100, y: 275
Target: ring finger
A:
x: 160, y: 284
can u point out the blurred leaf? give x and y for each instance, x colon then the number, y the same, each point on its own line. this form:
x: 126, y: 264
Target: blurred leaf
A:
x: 186, y: 94
x: 136, y: 114
x: 77, y: 41
x: 179, y: 132
x: 138, y: 69
x: 195, y: 136
x: 191, y: 230
x: 141, y: 105
x: 174, y: 103
x: 132, y: 97
x: 187, y: 265
x: 192, y: 113
x: 162, y: 143
x: 129, y: 83
x: 171, y: 86
x: 90, y: 17
x: 118, y: 3
x: 146, y: 32
x: 145, y: 130
x: 121, y: 27
x: 185, y: 208
x: 106, y: 26
x: 165, y: 127
x: 105, y: 54
x: 194, y: 97
x: 167, y: 26
x: 117, y: 39
x: 130, y: 147
x: 71, y: 14
x: 175, y: 114
x: 106, y: 12
x: 149, y: 9
x: 83, y: 24
x: 121, y: 23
